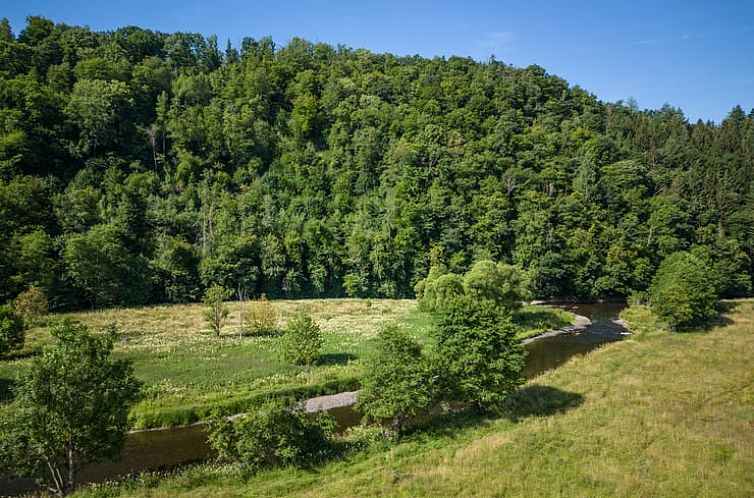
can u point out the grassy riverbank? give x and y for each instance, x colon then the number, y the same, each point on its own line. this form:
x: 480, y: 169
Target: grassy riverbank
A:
x: 659, y: 414
x: 188, y: 372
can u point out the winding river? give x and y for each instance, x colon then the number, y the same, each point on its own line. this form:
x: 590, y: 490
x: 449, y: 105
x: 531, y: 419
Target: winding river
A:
x: 164, y: 448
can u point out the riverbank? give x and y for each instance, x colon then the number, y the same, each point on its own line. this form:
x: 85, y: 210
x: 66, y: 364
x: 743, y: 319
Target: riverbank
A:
x: 657, y: 414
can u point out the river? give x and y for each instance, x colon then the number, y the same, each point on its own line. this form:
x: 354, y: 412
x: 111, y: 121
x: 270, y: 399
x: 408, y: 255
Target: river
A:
x: 164, y: 448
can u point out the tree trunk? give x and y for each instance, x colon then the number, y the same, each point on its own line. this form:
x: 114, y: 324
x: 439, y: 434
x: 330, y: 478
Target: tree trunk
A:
x: 71, y: 484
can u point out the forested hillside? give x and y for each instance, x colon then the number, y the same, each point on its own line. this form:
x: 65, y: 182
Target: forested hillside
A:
x: 138, y: 166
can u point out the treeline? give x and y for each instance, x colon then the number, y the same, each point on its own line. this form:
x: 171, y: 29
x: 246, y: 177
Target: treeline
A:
x: 138, y: 166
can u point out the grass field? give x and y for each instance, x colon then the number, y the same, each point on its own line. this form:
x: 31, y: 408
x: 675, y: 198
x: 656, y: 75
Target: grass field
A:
x: 188, y: 372
x: 659, y: 414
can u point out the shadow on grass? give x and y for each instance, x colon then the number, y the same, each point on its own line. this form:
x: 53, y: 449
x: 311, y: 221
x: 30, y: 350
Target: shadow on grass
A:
x: 531, y: 401
x: 6, y: 389
x: 22, y: 354
x: 335, y: 358
x: 539, y: 401
x: 719, y: 320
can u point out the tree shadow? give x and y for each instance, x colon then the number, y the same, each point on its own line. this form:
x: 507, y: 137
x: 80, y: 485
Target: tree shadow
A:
x: 450, y: 424
x: 539, y: 401
x: 335, y: 358
x: 6, y: 389
x: 720, y: 319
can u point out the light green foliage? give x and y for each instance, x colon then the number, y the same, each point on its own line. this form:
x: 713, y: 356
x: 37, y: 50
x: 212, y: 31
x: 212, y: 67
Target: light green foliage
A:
x: 503, y: 284
x: 31, y: 304
x: 272, y: 435
x: 216, y: 311
x: 506, y: 285
x: 397, y: 383
x: 479, y: 355
x: 11, y: 329
x: 302, y: 340
x: 683, y: 291
x: 71, y: 408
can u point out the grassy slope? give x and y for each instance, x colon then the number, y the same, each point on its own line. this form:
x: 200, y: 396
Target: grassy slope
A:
x: 186, y: 369
x: 656, y: 415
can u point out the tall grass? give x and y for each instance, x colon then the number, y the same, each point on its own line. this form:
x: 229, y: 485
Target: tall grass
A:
x: 659, y: 414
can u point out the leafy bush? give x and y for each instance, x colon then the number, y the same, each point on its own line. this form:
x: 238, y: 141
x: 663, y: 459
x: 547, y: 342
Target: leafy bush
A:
x: 11, y: 329
x: 302, y: 341
x: 275, y: 434
x: 216, y: 312
x: 478, y: 354
x: 396, y: 383
x: 683, y: 291
x: 31, y: 304
x: 262, y: 317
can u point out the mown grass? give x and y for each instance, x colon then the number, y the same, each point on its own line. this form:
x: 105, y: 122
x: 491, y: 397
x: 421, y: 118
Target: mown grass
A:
x: 189, y: 373
x: 659, y: 414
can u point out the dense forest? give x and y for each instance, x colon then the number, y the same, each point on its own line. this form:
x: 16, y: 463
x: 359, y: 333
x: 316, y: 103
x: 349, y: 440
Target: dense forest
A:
x: 144, y: 167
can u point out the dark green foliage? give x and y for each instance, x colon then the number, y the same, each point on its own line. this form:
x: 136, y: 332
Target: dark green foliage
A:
x: 478, y: 355
x: 101, y: 265
x: 683, y: 291
x: 272, y: 435
x: 310, y: 170
x: 302, y: 340
x: 70, y: 409
x: 216, y: 311
x: 397, y: 383
x: 11, y: 329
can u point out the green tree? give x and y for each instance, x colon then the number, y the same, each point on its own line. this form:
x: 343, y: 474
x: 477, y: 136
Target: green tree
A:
x: 302, y: 340
x: 501, y: 283
x: 215, y: 309
x: 480, y: 356
x: 71, y: 408
x: 683, y: 291
x: 11, y: 329
x: 397, y: 383
x: 99, y: 109
x: 100, y: 264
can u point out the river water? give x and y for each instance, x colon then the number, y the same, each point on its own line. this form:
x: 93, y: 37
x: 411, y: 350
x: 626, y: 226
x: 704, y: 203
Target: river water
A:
x: 158, y: 449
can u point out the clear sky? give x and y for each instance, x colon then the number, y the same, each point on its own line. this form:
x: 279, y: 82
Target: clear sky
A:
x: 694, y: 54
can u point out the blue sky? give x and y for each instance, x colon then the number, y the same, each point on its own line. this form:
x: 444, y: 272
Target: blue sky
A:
x: 696, y: 55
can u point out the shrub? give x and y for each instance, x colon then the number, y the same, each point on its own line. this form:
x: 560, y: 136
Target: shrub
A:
x: 396, y: 384
x: 302, y: 340
x: 683, y: 291
x: 11, y: 329
x: 262, y: 317
x: 31, y: 304
x: 275, y: 434
x: 478, y: 354
x: 216, y: 312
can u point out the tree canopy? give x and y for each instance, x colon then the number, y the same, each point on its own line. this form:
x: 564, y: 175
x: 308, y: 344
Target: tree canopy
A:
x: 138, y: 166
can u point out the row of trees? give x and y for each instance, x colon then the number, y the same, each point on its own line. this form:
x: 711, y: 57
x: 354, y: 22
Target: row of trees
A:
x: 138, y: 166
